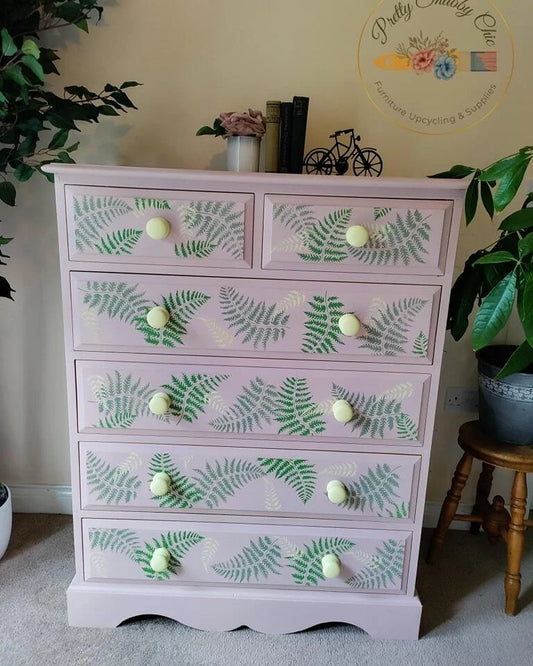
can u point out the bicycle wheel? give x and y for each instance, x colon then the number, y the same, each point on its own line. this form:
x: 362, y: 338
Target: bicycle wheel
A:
x: 319, y: 161
x: 367, y: 162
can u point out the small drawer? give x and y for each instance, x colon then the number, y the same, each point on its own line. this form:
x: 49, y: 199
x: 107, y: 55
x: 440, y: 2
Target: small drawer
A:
x: 126, y: 226
x: 244, y: 481
x: 263, y: 318
x: 258, y: 402
x: 188, y: 553
x: 356, y: 235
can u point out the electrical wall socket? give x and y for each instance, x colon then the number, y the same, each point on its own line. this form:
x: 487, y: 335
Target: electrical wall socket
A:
x: 461, y: 400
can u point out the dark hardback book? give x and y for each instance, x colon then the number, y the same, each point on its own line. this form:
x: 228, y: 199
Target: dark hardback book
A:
x: 300, y: 108
x: 285, y: 133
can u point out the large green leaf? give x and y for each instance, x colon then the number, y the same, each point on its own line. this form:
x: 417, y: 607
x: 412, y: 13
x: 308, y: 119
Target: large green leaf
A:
x: 509, y: 184
x: 495, y: 258
x: 494, y: 311
x: 471, y: 199
x: 525, y: 294
x: 457, y: 171
x: 503, y: 166
x: 519, y: 361
x: 521, y: 219
x: 486, y: 198
x: 525, y: 246
x: 463, y: 295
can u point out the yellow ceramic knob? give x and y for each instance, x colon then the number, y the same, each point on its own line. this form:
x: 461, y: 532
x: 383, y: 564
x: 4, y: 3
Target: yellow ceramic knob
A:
x: 357, y: 235
x: 160, y: 484
x: 342, y: 411
x: 158, y: 228
x: 349, y: 324
x: 331, y: 566
x: 337, y: 492
x: 159, y: 403
x: 158, y: 317
x: 159, y: 560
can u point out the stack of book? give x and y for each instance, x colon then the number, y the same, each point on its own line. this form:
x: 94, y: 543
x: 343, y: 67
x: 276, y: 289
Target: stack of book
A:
x: 286, y: 124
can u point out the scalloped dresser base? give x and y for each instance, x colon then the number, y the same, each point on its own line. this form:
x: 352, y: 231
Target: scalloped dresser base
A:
x: 224, y: 609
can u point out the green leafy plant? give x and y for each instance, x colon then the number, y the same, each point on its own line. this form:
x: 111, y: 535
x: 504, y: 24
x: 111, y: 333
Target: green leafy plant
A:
x: 35, y: 123
x: 501, y: 273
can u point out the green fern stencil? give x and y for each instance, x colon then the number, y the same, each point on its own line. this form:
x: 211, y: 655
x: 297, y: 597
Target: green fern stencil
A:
x: 298, y: 474
x: 322, y: 324
x: 381, y: 212
x: 220, y: 480
x: 124, y: 542
x: 259, y: 560
x: 119, y: 242
x: 115, y: 299
x: 377, y: 488
x: 254, y: 405
x: 373, y: 415
x: 404, y: 242
x: 121, y: 399
x: 306, y: 565
x: 386, y: 332
x: 400, y: 511
x: 221, y: 223
x: 420, y: 346
x: 326, y: 240
x: 111, y: 484
x: 142, y: 205
x: 296, y: 218
x: 386, y: 567
x: 92, y: 215
x: 190, y: 393
x: 256, y: 321
x: 182, y: 493
x: 177, y: 543
x: 117, y: 421
x: 407, y: 428
x: 194, y: 248
x: 295, y: 410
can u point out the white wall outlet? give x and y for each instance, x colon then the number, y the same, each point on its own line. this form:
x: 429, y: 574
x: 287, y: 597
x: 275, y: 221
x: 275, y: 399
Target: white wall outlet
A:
x: 461, y: 400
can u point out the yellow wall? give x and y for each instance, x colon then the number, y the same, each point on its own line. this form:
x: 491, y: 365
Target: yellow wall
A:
x: 195, y: 59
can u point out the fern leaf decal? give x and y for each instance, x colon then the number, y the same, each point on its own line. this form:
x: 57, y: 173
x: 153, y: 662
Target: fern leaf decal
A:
x: 209, y: 551
x: 117, y: 421
x: 272, y: 500
x: 221, y: 336
x: 259, y: 560
x: 193, y: 248
x: 110, y: 484
x: 221, y: 224
x: 254, y: 405
x: 115, y: 540
x: 177, y: 543
x: 92, y: 215
x: 142, y: 205
x: 121, y: 400
x: 373, y: 415
x: 399, y: 391
x: 406, y: 427
x: 339, y: 469
x: 295, y: 411
x: 387, y: 567
x: 299, y: 474
x: 381, y: 212
x: 190, y: 393
x: 323, y: 333
x: 375, y: 488
x: 420, y: 346
x: 400, y: 511
x: 220, y: 480
x: 306, y: 565
x: 326, y: 240
x: 183, y: 492
x: 386, y: 331
x: 119, y: 242
x: 296, y: 218
x: 256, y: 321
x: 291, y: 244
x: 115, y: 299
x: 291, y: 301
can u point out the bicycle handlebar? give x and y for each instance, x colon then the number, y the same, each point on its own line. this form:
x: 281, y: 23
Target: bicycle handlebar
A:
x: 339, y: 132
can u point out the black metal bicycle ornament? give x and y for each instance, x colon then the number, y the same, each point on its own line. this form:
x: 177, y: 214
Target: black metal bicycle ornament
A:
x: 365, y: 161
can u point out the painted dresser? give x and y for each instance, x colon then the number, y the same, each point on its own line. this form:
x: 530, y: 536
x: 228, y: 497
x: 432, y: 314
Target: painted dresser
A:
x: 253, y: 364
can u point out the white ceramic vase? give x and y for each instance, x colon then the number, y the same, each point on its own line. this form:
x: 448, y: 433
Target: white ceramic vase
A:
x: 243, y: 153
x: 5, y: 523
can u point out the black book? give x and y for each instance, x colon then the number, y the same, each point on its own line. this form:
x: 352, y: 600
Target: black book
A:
x: 285, y: 132
x: 300, y: 107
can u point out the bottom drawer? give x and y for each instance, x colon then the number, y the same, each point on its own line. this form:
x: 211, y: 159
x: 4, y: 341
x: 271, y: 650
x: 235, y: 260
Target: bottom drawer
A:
x: 249, y: 555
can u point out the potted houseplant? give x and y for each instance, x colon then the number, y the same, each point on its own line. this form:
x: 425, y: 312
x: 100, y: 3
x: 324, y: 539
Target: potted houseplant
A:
x: 496, y: 277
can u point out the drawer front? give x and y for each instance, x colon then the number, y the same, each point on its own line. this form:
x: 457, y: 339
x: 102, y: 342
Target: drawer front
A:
x: 248, y: 481
x: 263, y: 318
x: 370, y: 561
x: 244, y: 401
x: 406, y: 237
x: 204, y: 228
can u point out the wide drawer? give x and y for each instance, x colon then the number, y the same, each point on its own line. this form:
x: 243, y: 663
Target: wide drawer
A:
x: 238, y: 317
x: 246, y: 401
x: 248, y: 481
x: 248, y: 555
x: 204, y: 228
x: 405, y: 236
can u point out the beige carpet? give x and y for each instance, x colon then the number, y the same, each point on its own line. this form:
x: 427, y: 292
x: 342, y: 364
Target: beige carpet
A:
x: 462, y: 624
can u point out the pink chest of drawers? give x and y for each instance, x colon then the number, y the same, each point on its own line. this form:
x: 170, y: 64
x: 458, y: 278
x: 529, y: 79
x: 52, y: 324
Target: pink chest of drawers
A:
x: 253, y: 365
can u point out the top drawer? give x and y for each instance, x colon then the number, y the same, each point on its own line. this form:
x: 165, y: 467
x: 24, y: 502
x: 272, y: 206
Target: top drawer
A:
x: 194, y: 228
x: 405, y: 236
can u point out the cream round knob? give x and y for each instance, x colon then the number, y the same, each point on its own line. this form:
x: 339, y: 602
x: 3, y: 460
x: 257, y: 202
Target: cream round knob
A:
x: 337, y: 492
x: 158, y: 228
x: 158, y: 317
x: 331, y: 566
x: 159, y: 560
x: 357, y: 235
x: 160, y: 484
x: 159, y: 403
x: 349, y: 324
x: 342, y: 411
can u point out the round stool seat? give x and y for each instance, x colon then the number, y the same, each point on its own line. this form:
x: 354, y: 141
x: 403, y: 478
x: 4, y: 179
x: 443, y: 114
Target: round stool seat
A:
x: 482, y: 446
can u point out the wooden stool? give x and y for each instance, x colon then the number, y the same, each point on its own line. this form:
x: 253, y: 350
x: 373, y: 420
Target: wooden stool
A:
x: 496, y: 520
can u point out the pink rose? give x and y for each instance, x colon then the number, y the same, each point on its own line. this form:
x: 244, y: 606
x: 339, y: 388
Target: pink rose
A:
x: 423, y: 61
x: 243, y: 124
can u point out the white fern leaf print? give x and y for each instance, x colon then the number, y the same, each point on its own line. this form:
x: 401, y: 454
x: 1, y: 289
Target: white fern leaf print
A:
x: 288, y: 548
x: 99, y: 564
x: 272, y: 500
x: 399, y: 392
x: 96, y: 384
x: 131, y: 463
x: 187, y: 462
x: 217, y: 403
x: 375, y: 307
x: 221, y: 336
x: 209, y: 550
x: 365, y: 558
x: 291, y: 301
x: 325, y: 406
x: 340, y: 469
x: 90, y: 318
x: 293, y: 243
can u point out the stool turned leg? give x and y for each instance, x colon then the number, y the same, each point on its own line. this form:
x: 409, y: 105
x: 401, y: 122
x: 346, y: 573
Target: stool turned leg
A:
x: 515, y: 542
x: 483, y: 488
x: 449, y: 507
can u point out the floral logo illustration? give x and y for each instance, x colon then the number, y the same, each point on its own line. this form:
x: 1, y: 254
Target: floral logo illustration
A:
x: 429, y: 56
